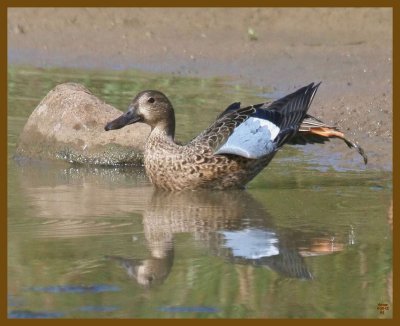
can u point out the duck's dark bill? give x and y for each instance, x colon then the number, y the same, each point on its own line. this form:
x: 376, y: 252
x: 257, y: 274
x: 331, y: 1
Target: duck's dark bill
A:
x: 124, y: 120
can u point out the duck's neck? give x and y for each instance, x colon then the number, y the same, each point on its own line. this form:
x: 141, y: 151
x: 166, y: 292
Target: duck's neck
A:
x: 164, y: 130
x: 160, y: 140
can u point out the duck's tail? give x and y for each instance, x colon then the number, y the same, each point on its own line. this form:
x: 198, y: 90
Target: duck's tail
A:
x: 313, y: 130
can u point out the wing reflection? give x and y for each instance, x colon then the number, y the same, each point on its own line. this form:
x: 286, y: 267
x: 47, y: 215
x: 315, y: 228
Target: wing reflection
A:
x: 224, y: 222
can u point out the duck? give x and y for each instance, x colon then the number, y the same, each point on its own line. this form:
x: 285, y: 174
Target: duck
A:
x: 236, y: 147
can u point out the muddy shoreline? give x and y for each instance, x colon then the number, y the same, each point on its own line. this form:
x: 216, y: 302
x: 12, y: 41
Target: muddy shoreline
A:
x: 349, y: 50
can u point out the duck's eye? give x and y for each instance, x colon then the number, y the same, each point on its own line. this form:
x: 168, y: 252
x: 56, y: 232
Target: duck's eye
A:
x: 151, y: 100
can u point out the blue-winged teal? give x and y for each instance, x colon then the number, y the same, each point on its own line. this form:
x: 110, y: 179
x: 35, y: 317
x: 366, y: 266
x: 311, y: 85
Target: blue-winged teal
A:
x: 234, y: 149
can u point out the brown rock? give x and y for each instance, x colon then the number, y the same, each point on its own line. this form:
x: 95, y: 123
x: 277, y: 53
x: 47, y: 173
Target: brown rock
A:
x: 68, y: 124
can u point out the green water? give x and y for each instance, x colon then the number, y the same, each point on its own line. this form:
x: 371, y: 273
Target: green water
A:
x: 306, y: 239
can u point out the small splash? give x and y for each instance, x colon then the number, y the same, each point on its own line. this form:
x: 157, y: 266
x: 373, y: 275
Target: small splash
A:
x: 209, y: 310
x: 75, y: 288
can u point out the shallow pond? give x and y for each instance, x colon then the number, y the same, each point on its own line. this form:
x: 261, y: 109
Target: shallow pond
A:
x: 308, y: 238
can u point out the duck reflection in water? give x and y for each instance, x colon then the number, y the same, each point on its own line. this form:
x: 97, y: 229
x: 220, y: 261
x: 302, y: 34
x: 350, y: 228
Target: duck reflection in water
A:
x: 225, y: 223
x: 232, y: 224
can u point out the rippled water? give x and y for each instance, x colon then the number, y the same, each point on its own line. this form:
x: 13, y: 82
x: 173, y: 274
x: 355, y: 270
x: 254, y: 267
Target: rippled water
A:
x: 306, y: 239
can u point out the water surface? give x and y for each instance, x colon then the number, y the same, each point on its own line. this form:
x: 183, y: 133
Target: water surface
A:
x: 306, y: 239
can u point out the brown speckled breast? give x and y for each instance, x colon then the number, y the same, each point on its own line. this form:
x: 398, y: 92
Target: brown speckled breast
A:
x: 174, y: 167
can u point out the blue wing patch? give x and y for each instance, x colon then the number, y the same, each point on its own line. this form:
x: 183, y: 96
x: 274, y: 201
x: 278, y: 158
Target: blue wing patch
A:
x: 252, y: 139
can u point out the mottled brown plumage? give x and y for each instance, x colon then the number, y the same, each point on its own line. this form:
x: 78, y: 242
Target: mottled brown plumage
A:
x: 175, y: 167
x: 204, y: 162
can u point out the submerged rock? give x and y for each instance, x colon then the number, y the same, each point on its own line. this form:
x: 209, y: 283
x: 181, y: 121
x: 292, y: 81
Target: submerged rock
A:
x: 68, y: 124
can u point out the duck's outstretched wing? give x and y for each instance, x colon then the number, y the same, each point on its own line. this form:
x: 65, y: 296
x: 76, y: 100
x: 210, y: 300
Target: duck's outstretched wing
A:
x: 313, y: 130
x: 261, y: 129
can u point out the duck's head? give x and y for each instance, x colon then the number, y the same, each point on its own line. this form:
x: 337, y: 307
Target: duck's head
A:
x: 150, y: 107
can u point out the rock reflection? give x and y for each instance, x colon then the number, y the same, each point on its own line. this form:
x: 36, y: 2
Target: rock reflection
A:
x: 76, y: 201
